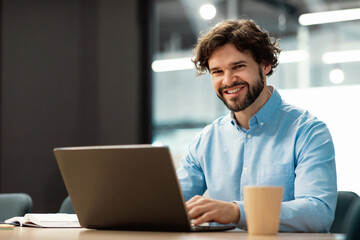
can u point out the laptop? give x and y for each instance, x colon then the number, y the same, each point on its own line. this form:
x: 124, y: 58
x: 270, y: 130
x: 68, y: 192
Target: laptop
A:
x: 126, y: 187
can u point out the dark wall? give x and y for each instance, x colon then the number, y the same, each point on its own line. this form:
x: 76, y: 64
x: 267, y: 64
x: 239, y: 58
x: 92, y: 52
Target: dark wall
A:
x: 69, y: 76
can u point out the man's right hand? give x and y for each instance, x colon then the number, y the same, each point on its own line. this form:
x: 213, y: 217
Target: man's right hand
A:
x: 201, y: 210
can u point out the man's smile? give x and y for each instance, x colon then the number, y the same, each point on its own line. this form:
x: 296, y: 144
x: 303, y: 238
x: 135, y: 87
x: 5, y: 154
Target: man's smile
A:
x: 233, y: 91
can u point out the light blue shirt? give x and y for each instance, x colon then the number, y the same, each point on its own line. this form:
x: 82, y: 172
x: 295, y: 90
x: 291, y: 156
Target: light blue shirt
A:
x: 284, y: 146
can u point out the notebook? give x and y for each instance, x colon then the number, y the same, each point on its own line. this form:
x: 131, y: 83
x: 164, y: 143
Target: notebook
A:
x: 126, y: 187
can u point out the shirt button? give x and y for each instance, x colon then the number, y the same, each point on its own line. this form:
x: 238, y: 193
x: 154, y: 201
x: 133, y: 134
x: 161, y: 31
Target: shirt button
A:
x: 262, y: 124
x: 249, y: 136
x: 245, y: 168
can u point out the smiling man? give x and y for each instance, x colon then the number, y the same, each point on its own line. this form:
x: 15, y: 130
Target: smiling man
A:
x: 262, y: 141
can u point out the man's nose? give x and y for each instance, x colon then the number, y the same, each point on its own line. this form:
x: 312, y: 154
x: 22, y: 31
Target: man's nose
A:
x: 228, y: 75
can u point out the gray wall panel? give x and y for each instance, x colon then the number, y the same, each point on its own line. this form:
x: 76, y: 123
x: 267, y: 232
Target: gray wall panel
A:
x: 69, y: 76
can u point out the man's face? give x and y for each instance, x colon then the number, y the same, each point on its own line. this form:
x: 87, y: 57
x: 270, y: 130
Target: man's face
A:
x: 237, y: 79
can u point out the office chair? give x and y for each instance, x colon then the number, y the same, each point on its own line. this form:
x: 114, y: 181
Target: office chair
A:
x: 352, y: 221
x: 14, y: 204
x: 66, y: 206
x: 344, y: 202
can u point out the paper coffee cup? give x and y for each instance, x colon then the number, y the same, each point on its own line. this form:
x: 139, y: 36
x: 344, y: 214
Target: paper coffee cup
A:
x: 262, y: 208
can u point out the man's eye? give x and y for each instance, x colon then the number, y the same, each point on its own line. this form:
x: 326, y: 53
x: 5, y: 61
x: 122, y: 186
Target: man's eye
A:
x: 216, y: 72
x: 239, y: 66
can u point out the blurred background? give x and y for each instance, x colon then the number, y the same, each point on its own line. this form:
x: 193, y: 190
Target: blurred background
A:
x: 100, y: 72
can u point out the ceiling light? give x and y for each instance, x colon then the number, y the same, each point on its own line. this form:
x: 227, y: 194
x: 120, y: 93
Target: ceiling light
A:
x: 176, y: 64
x: 341, y: 56
x: 172, y: 64
x: 336, y: 76
x: 207, y: 11
x: 293, y: 56
x: 329, y: 17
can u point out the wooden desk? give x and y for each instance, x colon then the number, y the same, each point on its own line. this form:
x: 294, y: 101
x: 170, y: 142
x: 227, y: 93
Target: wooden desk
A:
x: 25, y: 233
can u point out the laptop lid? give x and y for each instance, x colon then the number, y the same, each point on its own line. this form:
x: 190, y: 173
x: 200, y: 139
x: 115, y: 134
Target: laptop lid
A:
x: 132, y: 187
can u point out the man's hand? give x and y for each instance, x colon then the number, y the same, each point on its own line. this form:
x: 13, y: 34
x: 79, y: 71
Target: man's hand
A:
x: 203, y: 210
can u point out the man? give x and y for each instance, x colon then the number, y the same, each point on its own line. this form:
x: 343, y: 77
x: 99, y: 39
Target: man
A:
x: 263, y: 141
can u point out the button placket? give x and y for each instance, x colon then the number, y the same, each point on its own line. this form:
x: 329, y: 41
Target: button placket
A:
x: 245, y: 169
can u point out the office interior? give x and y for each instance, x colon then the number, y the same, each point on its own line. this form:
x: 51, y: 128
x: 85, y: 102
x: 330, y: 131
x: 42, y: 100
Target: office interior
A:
x: 102, y: 72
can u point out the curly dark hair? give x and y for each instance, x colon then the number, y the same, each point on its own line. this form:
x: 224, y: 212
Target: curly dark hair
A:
x: 245, y: 35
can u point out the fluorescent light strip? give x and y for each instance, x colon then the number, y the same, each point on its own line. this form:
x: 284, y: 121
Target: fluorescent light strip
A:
x: 172, y: 65
x: 329, y: 17
x: 341, y: 56
x: 293, y: 56
x: 177, y: 64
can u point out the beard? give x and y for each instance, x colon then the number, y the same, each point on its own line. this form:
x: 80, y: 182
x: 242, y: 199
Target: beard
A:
x: 235, y: 104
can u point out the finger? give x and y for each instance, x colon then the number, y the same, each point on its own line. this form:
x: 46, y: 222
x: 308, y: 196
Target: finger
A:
x: 216, y: 211
x: 199, y: 210
x: 195, y: 201
x: 206, y: 217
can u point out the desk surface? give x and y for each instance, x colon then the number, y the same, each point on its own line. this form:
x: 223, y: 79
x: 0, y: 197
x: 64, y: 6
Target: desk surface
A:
x: 84, y: 234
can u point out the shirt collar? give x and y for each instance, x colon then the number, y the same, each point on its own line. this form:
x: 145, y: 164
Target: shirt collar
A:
x: 233, y: 119
x: 265, y: 113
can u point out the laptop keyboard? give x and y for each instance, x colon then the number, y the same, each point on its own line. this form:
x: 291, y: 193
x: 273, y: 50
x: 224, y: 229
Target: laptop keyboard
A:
x: 210, y: 228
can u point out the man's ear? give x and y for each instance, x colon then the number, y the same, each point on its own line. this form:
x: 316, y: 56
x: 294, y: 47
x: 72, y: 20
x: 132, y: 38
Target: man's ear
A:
x: 266, y: 68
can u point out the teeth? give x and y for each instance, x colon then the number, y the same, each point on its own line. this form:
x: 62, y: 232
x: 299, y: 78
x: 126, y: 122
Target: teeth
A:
x: 234, y: 90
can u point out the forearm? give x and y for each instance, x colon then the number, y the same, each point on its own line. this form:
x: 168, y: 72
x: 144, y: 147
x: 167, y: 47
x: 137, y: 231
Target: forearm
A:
x: 300, y: 215
x: 191, y: 179
x: 306, y: 215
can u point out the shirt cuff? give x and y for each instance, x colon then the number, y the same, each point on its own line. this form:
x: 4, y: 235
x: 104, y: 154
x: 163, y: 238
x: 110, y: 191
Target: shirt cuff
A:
x: 242, y: 221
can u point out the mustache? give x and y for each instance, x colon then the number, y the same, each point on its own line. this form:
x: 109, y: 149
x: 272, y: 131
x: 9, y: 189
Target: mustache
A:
x: 234, y: 84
